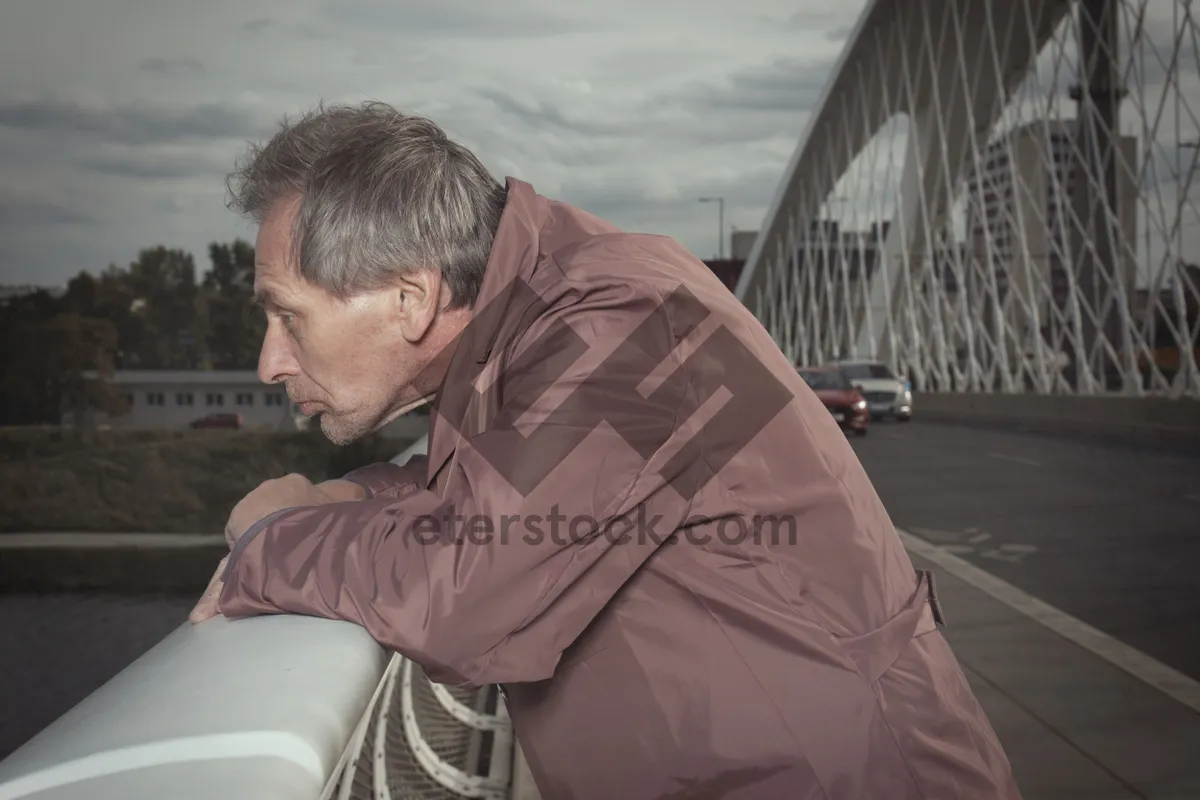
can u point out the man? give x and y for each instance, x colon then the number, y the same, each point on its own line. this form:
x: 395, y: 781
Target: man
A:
x: 611, y: 430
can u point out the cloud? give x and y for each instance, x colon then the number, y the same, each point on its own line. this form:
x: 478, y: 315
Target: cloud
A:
x: 283, y: 30
x: 172, y: 65
x: 647, y: 203
x: 260, y: 25
x: 840, y: 34
x: 16, y: 213
x: 784, y: 85
x: 1149, y: 63
x: 630, y: 109
x: 538, y: 113
x: 133, y: 123
x: 458, y: 19
x: 154, y: 165
x: 827, y: 16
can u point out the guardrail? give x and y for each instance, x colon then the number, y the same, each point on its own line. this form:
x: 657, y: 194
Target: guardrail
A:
x: 278, y: 706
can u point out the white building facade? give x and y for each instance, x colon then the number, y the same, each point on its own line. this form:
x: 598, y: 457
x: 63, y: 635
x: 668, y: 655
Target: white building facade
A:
x: 166, y: 399
x: 177, y: 398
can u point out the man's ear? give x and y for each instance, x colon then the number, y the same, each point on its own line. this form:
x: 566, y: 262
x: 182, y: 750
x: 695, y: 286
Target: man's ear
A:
x: 419, y: 299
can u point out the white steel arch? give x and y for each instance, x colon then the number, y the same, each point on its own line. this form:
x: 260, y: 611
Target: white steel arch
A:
x: 993, y: 195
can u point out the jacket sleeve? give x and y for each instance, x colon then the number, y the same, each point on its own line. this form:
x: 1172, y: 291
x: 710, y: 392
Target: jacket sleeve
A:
x: 389, y: 478
x: 553, y: 508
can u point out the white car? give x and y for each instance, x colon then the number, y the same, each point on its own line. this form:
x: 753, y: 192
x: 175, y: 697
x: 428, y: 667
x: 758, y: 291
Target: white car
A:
x: 887, y: 395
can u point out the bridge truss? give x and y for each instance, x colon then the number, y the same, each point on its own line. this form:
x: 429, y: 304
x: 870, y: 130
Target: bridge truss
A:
x: 995, y: 196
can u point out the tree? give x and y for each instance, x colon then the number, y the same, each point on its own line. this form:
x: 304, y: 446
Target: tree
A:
x: 65, y: 362
x: 24, y: 401
x: 235, y: 326
x: 152, y: 314
x: 165, y: 311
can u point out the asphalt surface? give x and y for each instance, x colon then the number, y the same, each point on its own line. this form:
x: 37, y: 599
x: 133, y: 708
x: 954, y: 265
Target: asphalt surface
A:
x: 1108, y: 533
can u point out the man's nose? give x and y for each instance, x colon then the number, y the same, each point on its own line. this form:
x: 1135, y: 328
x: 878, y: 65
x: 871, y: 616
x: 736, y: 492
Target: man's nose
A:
x: 275, y: 360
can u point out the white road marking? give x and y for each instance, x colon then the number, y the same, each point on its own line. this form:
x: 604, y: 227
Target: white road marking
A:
x: 976, y: 542
x: 1016, y: 459
x: 1195, y: 497
x: 1146, y: 669
x: 1012, y: 553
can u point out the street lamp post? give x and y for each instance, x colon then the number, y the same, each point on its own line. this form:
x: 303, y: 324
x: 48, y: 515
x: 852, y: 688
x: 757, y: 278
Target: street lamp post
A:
x: 720, y: 201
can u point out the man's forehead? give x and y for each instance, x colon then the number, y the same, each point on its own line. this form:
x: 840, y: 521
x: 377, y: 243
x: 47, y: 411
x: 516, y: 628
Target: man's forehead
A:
x: 271, y: 289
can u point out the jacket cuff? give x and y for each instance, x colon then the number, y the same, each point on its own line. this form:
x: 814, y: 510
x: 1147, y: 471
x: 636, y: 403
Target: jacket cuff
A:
x: 240, y: 546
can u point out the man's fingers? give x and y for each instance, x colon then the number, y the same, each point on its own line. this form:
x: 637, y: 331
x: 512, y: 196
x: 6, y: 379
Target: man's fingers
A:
x: 207, y: 606
x: 205, y: 609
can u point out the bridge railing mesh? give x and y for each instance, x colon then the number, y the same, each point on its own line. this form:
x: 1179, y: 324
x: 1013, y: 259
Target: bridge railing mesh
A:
x: 419, y: 740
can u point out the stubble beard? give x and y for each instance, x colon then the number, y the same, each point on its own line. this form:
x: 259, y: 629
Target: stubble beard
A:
x: 347, y: 430
x: 343, y: 432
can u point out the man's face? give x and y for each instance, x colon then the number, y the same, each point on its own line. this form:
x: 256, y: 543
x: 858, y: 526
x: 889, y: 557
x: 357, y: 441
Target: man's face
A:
x: 353, y: 361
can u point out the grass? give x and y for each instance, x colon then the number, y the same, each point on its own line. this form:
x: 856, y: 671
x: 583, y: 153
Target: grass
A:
x: 157, y: 481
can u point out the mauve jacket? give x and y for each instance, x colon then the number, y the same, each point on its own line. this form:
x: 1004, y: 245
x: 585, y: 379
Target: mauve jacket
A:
x: 760, y: 634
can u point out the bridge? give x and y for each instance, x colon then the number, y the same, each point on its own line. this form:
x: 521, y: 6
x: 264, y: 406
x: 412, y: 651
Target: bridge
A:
x: 992, y: 199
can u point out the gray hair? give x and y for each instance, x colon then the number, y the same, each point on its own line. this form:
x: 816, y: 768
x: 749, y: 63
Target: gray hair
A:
x: 382, y: 193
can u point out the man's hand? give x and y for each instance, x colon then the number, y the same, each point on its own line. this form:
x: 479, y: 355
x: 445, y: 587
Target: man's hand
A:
x: 270, y: 496
x: 275, y: 495
x: 340, y: 490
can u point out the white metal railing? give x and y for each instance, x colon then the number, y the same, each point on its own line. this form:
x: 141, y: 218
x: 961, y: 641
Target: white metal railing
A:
x: 225, y: 709
x: 424, y: 740
x: 279, y: 706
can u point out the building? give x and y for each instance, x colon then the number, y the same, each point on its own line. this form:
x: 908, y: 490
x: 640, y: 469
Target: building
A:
x: 728, y: 270
x: 176, y: 398
x: 741, y: 243
x: 1020, y: 213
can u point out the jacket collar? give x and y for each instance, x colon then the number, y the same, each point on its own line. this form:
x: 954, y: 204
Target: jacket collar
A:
x: 461, y: 410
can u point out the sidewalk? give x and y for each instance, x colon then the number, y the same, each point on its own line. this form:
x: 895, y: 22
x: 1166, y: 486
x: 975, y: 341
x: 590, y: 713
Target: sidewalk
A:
x: 1075, y: 725
x: 118, y: 563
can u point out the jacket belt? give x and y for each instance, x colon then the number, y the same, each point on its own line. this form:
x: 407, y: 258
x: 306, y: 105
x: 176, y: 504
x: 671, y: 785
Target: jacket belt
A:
x: 875, y: 652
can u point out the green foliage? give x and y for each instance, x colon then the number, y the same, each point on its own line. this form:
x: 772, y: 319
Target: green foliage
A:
x: 334, y: 461
x: 235, y: 329
x: 152, y: 314
x: 63, y: 362
x: 163, y: 481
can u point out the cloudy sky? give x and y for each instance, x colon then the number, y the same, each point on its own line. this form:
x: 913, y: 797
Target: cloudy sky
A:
x: 120, y: 118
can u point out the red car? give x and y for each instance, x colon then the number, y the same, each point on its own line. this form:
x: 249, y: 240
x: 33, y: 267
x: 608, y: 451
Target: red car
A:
x: 234, y: 421
x: 843, y: 399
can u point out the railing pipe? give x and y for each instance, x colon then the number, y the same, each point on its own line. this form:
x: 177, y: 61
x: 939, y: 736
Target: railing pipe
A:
x: 248, y: 709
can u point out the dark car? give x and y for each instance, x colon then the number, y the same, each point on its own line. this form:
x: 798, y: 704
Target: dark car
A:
x: 233, y: 421
x: 843, y: 399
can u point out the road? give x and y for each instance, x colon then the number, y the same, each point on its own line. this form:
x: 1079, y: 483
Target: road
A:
x: 1107, y: 533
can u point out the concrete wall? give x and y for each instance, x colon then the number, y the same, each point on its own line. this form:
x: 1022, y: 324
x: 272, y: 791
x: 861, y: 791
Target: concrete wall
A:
x: 1151, y: 420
